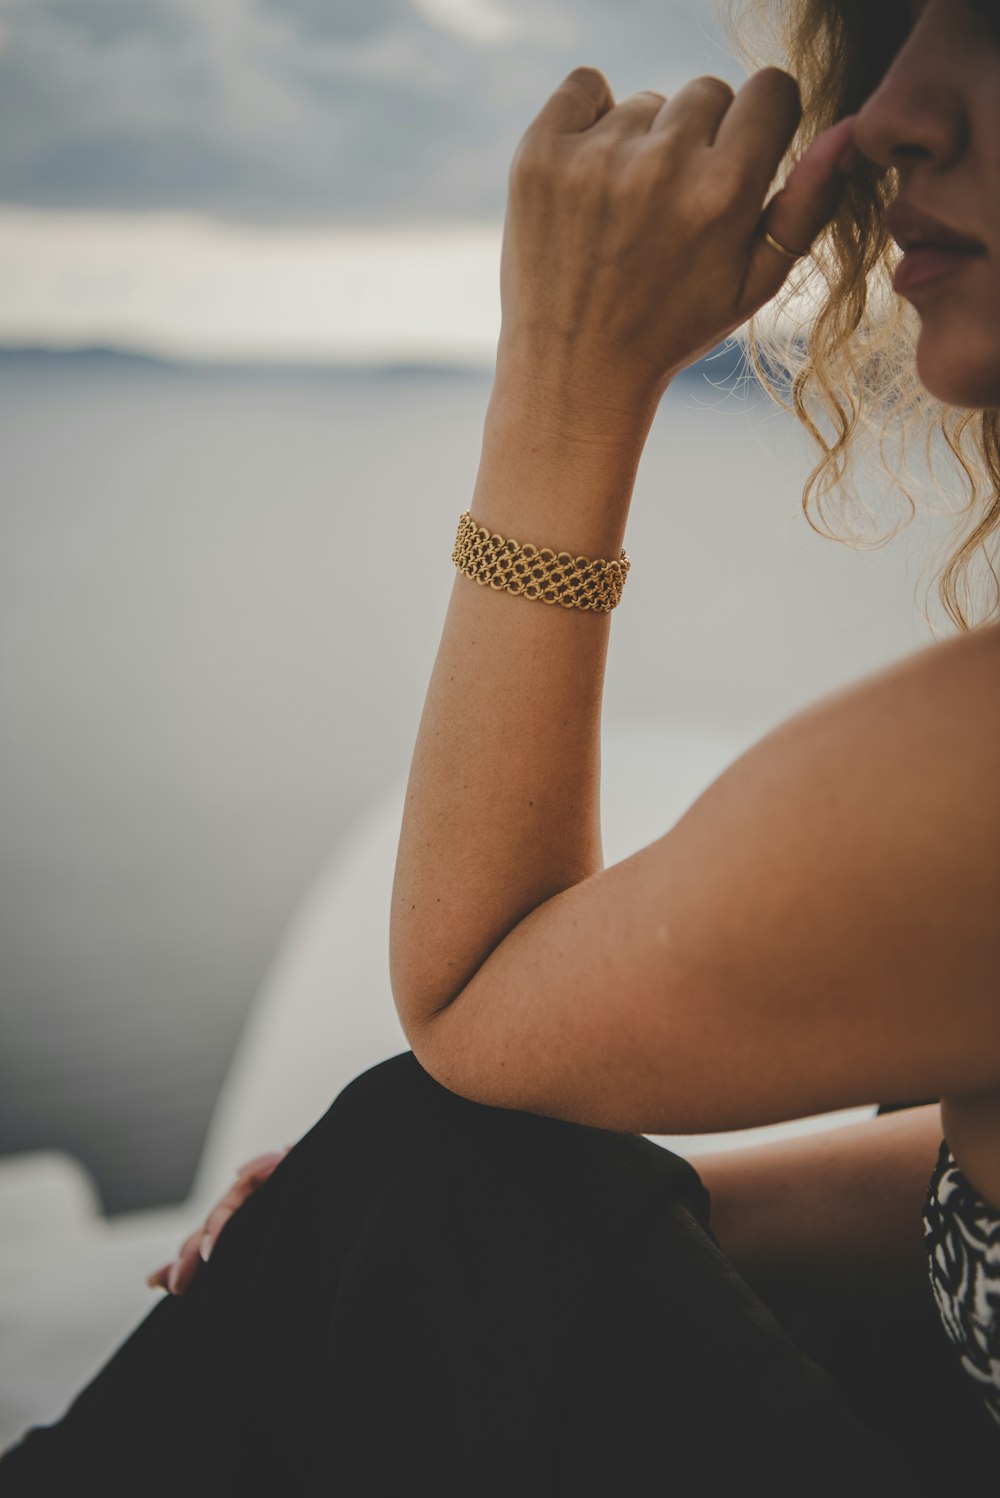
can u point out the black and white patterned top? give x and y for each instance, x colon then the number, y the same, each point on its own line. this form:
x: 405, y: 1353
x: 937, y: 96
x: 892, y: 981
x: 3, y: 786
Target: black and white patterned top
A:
x: 962, y: 1234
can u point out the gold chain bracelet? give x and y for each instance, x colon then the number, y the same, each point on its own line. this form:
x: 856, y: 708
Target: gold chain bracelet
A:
x: 549, y: 576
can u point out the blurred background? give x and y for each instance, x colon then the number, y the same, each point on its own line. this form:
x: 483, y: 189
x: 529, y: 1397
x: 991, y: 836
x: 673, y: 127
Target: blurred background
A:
x: 249, y: 305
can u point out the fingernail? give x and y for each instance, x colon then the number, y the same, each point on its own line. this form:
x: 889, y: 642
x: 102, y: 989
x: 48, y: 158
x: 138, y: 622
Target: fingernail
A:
x: 205, y: 1247
x: 153, y: 1282
x: 173, y: 1278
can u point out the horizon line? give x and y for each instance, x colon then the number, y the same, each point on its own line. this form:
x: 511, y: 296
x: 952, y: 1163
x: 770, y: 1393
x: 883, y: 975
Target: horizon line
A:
x: 728, y: 359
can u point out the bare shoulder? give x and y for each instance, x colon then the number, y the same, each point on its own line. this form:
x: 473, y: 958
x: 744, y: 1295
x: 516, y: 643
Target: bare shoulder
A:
x: 960, y: 675
x: 863, y: 836
x: 818, y: 930
x: 930, y: 720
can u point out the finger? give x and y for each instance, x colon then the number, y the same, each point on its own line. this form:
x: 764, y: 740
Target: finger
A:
x: 202, y: 1241
x: 693, y: 116
x: 797, y: 214
x: 177, y: 1273
x: 806, y: 203
x: 633, y: 116
x: 184, y: 1270
x: 583, y: 97
x: 757, y: 128
x: 267, y: 1161
x: 158, y: 1279
x: 235, y: 1196
x: 191, y: 1239
x: 213, y: 1227
x: 181, y: 1269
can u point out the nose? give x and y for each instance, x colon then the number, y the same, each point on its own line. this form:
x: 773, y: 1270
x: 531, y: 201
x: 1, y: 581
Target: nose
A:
x: 916, y: 113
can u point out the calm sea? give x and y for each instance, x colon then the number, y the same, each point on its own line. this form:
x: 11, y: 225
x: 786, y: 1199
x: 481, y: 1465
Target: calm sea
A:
x: 221, y: 595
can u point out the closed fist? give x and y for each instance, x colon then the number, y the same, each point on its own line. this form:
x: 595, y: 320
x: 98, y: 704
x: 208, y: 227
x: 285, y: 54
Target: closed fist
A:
x: 634, y: 237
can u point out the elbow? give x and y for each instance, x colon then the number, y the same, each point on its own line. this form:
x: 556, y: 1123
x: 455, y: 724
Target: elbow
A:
x: 424, y: 980
x: 419, y: 999
x: 421, y: 976
x: 427, y: 1039
x: 450, y: 1053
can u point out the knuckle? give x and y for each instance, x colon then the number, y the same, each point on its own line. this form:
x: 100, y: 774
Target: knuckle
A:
x: 587, y: 76
x: 532, y: 162
x: 778, y: 75
x: 639, y: 178
x: 599, y: 149
x: 786, y: 83
x: 717, y: 85
x: 716, y: 191
x: 703, y: 201
x: 587, y: 171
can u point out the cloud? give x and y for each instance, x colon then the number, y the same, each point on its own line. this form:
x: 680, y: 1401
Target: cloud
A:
x: 310, y: 112
x: 191, y: 287
x: 340, y: 21
x: 479, y: 20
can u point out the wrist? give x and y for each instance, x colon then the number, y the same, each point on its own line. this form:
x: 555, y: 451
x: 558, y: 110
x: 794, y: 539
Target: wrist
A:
x: 561, y: 400
x: 540, y: 483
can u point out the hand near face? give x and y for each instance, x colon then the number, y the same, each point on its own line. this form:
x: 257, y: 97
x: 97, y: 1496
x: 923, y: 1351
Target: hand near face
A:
x: 633, y: 242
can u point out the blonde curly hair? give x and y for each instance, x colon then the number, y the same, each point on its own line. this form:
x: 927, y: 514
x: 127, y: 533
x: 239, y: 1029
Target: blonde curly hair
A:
x: 856, y: 356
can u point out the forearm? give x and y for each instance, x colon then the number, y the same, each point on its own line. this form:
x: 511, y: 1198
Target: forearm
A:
x: 841, y: 1208
x: 502, y: 804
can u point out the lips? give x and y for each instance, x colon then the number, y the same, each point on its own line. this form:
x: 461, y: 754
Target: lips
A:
x: 913, y: 229
x: 931, y: 248
x: 923, y: 263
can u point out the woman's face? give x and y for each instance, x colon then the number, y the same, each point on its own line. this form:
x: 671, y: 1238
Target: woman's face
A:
x: 935, y: 117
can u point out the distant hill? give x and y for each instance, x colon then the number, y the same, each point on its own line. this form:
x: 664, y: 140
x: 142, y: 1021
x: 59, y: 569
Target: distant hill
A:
x: 725, y: 366
x: 109, y: 358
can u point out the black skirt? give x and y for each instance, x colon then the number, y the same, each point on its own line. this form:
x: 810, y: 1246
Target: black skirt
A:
x: 432, y: 1296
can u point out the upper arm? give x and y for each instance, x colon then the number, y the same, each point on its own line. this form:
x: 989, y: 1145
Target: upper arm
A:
x: 819, y: 930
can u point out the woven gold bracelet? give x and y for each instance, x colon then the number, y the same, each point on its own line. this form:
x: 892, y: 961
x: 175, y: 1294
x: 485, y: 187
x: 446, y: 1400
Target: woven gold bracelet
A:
x: 549, y: 576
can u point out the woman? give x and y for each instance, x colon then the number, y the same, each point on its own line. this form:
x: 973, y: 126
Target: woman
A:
x: 473, y: 1275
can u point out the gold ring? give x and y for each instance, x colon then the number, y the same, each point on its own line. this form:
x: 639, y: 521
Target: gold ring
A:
x: 792, y: 255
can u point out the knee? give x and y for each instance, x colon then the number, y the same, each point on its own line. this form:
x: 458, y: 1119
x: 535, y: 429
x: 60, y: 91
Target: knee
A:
x: 400, y: 1098
x: 399, y: 1082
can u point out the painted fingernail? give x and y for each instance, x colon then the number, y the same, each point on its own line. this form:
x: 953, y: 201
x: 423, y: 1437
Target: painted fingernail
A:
x: 205, y: 1246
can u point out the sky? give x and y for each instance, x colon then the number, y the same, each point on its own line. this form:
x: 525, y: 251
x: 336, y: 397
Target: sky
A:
x: 303, y: 179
